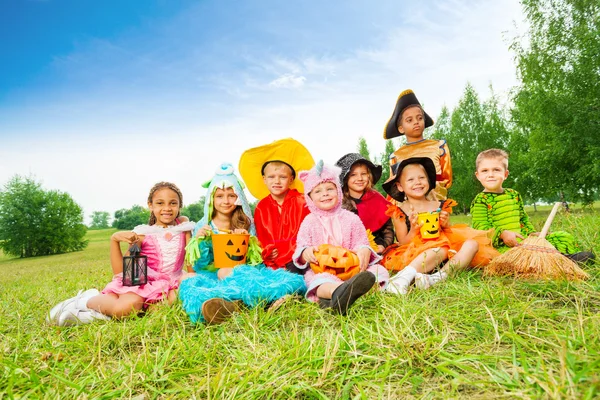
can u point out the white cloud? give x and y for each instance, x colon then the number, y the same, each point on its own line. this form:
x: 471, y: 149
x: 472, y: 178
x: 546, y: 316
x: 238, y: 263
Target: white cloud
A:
x: 162, y: 115
x: 288, y: 81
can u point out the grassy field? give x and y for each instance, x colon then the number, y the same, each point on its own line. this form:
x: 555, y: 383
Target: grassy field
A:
x: 470, y: 337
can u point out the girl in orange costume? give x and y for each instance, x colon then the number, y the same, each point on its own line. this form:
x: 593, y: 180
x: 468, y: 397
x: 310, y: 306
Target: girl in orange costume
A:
x: 415, y: 255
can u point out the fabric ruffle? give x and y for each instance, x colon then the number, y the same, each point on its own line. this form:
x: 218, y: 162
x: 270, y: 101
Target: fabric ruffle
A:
x: 251, y: 285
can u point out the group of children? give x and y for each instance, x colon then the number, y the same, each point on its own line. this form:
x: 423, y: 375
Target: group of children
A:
x: 306, y: 211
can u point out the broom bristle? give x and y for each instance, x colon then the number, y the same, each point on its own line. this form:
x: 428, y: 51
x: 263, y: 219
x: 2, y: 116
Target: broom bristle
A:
x: 535, y: 258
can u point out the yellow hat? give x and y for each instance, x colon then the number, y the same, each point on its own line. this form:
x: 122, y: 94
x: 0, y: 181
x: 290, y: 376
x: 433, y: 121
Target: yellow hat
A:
x: 288, y: 151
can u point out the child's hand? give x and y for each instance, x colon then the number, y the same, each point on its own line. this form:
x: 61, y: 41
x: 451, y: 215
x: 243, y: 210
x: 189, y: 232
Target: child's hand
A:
x: 239, y: 231
x: 510, y: 238
x: 308, y: 255
x: 444, y: 218
x: 274, y: 254
x: 415, y: 226
x: 202, y: 232
x: 380, y: 249
x: 125, y: 236
x: 364, y: 255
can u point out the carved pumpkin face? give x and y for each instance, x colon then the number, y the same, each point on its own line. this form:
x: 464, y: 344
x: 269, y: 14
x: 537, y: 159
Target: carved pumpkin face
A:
x: 430, y: 224
x: 230, y: 249
x: 337, y: 261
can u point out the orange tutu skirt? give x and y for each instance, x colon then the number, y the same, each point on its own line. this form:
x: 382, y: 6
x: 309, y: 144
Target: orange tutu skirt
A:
x: 396, y: 257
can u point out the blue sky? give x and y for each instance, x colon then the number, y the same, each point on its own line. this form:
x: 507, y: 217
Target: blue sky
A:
x: 94, y: 93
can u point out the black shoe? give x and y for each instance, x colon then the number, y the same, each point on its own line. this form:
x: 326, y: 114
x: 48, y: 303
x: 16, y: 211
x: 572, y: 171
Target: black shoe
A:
x: 581, y: 257
x: 348, y: 292
x: 324, y: 303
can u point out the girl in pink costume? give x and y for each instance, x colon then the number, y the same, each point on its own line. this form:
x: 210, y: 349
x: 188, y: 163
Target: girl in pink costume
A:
x: 163, y: 241
x: 329, y: 223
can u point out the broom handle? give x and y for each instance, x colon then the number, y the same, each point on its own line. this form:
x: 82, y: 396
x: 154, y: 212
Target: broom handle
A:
x: 546, y: 227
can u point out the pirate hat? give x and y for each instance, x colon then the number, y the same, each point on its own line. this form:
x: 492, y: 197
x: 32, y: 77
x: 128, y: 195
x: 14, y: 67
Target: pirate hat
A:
x: 405, y: 100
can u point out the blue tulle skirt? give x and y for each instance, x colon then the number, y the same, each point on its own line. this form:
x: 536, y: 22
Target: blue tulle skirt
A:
x: 251, y: 285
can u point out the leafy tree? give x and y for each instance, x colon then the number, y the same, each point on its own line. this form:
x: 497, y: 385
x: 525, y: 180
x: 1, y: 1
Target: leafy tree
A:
x: 100, y: 220
x: 130, y: 218
x: 363, y: 149
x: 473, y: 127
x: 558, y: 104
x: 35, y: 222
x: 194, y: 211
x: 385, y: 166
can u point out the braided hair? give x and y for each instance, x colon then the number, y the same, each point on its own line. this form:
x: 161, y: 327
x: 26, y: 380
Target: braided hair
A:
x: 163, y: 185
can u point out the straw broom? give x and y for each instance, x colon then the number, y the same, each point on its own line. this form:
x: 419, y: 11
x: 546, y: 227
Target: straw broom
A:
x: 536, y: 258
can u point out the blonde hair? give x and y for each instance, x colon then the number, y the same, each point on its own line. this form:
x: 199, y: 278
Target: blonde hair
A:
x: 497, y: 154
x: 157, y: 187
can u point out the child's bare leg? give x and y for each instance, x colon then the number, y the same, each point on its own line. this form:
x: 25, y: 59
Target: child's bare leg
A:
x: 423, y: 263
x: 223, y: 273
x: 429, y: 259
x: 172, y: 297
x: 463, y: 258
x: 116, y: 306
x: 325, y: 291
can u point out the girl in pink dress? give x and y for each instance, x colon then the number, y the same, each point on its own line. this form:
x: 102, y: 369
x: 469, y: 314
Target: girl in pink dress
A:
x: 329, y: 223
x: 163, y: 241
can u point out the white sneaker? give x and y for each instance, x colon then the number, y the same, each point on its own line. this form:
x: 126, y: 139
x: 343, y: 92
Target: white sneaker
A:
x: 79, y: 317
x: 397, y: 286
x: 425, y: 281
x: 400, y: 282
x: 70, y: 304
x: 422, y: 281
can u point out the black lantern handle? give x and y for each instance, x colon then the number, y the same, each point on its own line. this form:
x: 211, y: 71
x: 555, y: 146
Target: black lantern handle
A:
x: 134, y: 249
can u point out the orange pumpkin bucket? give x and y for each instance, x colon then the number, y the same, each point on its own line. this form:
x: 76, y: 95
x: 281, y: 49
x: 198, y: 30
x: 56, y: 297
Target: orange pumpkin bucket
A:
x: 430, y: 224
x: 230, y: 249
x: 337, y: 261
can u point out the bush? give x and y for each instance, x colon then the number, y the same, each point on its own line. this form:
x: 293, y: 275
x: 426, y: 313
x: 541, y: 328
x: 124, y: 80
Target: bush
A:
x: 127, y: 219
x: 35, y: 222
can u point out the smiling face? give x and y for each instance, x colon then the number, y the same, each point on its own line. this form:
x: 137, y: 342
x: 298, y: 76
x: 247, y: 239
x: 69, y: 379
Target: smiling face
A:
x: 224, y: 201
x: 412, y: 123
x: 325, y: 196
x: 359, y: 180
x: 491, y: 173
x: 278, y: 179
x: 165, y: 206
x: 413, y: 181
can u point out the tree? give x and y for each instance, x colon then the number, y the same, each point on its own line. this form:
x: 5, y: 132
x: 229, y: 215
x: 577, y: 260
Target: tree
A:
x: 363, y: 149
x: 35, y: 222
x: 557, y: 105
x: 194, y: 211
x: 385, y: 166
x: 130, y: 218
x: 473, y: 127
x: 100, y: 220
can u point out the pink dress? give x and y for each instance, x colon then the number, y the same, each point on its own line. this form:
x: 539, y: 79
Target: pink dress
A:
x: 165, y: 249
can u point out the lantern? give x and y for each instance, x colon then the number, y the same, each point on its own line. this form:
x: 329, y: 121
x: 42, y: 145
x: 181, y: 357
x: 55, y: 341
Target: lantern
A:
x: 135, y: 267
x: 430, y: 224
x: 230, y: 249
x: 337, y: 261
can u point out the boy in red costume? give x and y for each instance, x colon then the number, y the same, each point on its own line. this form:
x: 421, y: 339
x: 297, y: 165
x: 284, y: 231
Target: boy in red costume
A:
x: 282, y: 209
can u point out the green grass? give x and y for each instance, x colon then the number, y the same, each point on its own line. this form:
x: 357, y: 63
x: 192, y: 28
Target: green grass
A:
x: 469, y: 337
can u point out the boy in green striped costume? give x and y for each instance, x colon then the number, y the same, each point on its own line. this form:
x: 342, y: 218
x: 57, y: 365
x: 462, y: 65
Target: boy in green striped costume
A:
x: 502, y: 209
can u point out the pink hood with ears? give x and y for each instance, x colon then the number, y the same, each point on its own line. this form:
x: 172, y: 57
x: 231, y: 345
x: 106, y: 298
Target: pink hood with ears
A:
x: 318, y: 174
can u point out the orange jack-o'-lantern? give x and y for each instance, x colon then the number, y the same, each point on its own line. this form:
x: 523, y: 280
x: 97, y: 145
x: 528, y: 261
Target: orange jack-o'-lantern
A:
x: 230, y: 249
x: 337, y: 261
x: 430, y: 224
